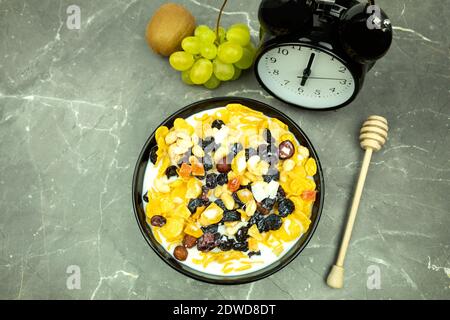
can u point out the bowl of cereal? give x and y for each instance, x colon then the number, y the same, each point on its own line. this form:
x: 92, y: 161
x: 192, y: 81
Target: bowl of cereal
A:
x: 228, y: 190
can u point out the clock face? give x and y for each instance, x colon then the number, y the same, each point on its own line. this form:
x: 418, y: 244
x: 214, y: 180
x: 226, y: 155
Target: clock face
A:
x: 306, y: 76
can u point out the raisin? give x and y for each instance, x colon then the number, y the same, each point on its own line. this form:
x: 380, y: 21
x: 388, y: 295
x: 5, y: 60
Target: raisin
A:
x: 231, y: 215
x: 194, y: 204
x: 237, y: 201
x: 189, y: 241
x: 254, y: 253
x: 225, y: 244
x: 158, y: 221
x: 221, y: 205
x: 273, y: 222
x: 180, y: 253
x: 212, y: 228
x: 208, y: 241
x: 171, y: 172
x: 271, y: 176
x: 286, y: 150
x: 281, y: 194
x: 285, y: 207
x: 145, y: 197
x: 217, y: 124
x: 265, y: 206
x: 242, y: 234
x: 256, y: 217
x: 241, y: 246
x: 249, y: 152
x: 262, y: 226
x: 222, y: 179
x: 211, y: 180
x: 236, y: 148
x: 153, y: 155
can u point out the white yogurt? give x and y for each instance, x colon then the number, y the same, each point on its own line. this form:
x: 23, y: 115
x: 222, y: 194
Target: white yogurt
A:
x: 267, y: 256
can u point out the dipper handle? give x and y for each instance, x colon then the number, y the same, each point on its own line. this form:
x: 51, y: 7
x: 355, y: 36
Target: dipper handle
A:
x: 372, y: 137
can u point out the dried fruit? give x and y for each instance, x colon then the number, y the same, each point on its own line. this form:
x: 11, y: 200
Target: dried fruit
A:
x: 208, y: 241
x: 265, y: 206
x: 217, y: 124
x: 171, y: 171
x: 145, y: 197
x: 153, y: 155
x: 198, y: 170
x: 242, y: 234
x: 158, y: 221
x: 234, y: 184
x: 170, y: 24
x: 281, y: 194
x: 286, y: 150
x: 285, y: 207
x: 211, y: 180
x: 225, y: 243
x: 241, y: 246
x: 212, y: 228
x: 237, y: 201
x: 273, y: 222
x: 221, y: 205
x: 194, y: 204
x: 273, y: 175
x: 222, y: 179
x: 180, y: 253
x: 309, y: 195
x: 231, y: 215
x: 311, y: 167
x: 223, y: 166
x: 189, y: 241
x: 185, y: 170
x: 254, y: 253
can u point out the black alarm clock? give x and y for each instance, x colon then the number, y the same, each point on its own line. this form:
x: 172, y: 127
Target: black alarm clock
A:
x: 315, y: 54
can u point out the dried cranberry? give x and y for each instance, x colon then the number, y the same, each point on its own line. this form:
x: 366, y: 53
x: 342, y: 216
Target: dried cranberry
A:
x: 153, y: 155
x: 285, y: 207
x: 158, y: 221
x: 217, y: 124
x: 180, y: 253
x: 208, y: 241
x: 189, y: 241
x: 286, y: 150
x: 265, y: 206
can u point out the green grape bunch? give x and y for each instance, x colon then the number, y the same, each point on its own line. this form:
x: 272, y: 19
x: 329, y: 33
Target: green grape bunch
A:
x: 209, y: 58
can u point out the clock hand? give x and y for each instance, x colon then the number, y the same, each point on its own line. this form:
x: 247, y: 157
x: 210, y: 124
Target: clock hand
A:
x: 321, y: 78
x: 307, y: 71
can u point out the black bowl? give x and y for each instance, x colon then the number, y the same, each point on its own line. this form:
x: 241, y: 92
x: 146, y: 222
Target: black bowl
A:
x: 166, y: 256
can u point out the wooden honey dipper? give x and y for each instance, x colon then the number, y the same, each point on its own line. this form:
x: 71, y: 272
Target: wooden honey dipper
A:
x: 372, y: 137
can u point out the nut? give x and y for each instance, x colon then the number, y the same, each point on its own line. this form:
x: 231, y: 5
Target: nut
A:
x: 183, y: 135
x: 175, y: 149
x: 250, y: 208
x: 189, y: 241
x: 198, y: 151
x: 288, y: 165
x: 227, y: 200
x: 171, y: 137
x: 180, y: 253
x: 185, y: 143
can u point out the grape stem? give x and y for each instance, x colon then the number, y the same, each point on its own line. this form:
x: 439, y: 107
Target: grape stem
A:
x: 219, y: 16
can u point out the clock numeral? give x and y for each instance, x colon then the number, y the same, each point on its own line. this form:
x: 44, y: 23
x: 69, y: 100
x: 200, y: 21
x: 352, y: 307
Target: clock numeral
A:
x: 332, y: 89
x: 286, y: 82
x: 342, y: 69
x: 343, y: 81
x: 300, y: 90
x: 284, y: 52
x: 317, y: 92
x: 276, y: 72
x: 273, y: 59
x: 299, y: 48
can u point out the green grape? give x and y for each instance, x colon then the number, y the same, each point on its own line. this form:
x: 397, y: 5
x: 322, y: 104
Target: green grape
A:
x: 208, y: 51
x: 246, y: 60
x: 205, y: 34
x: 201, y: 71
x: 237, y: 73
x: 186, y: 78
x: 238, y: 35
x: 242, y: 26
x: 223, y: 71
x: 222, y: 35
x: 212, y: 83
x: 181, y: 60
x: 191, y: 45
x: 229, y: 52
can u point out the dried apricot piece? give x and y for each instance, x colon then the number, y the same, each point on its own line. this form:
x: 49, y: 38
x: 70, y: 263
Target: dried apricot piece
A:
x: 198, y: 169
x: 185, y: 170
x: 234, y: 184
x: 309, y: 195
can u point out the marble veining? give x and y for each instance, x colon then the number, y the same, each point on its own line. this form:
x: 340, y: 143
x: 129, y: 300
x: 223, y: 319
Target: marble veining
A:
x: 76, y: 107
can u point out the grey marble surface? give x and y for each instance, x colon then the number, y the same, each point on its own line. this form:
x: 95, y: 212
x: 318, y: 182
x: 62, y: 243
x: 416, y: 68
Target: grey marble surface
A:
x: 76, y: 107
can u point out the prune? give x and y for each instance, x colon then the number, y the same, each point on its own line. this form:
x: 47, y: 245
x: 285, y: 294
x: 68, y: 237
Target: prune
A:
x: 180, y: 253
x: 193, y: 204
x: 145, y: 197
x: 268, y: 136
x: 225, y: 244
x: 249, y: 152
x: 171, y: 171
x: 231, y: 215
x: 265, y: 205
x: 236, y: 148
x: 221, y: 205
x: 222, y: 179
x: 212, y: 228
x: 273, y: 222
x: 158, y: 221
x: 211, y: 180
x: 237, y: 201
x: 223, y: 166
x: 153, y: 155
x: 286, y: 150
x: 208, y: 241
x: 242, y: 234
x: 281, y: 194
x: 254, y: 253
x: 189, y: 241
x: 285, y: 207
x: 217, y: 124
x: 262, y: 226
x: 271, y: 176
x: 241, y: 246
